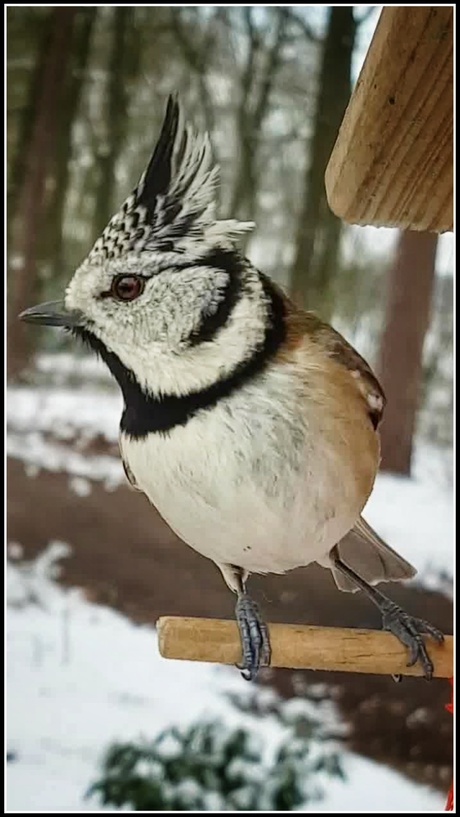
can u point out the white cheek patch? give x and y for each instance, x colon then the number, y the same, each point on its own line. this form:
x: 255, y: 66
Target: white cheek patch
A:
x: 173, y: 304
x: 85, y: 287
x: 163, y: 366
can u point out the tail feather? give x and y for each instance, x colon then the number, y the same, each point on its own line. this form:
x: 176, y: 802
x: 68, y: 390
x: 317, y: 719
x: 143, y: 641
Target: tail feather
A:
x: 367, y: 554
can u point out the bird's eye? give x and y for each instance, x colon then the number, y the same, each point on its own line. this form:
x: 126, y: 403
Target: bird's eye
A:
x: 127, y: 287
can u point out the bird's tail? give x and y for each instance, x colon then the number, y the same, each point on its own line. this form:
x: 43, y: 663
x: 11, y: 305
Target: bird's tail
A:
x: 367, y: 554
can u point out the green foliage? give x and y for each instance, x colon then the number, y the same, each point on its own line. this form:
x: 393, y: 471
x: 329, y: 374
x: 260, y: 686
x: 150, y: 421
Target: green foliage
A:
x: 210, y: 766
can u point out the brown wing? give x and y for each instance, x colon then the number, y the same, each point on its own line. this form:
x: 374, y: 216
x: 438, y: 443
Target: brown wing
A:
x: 366, y: 380
x: 307, y: 323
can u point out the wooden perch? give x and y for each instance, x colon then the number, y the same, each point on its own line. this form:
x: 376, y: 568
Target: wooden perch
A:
x: 299, y: 647
x: 392, y: 163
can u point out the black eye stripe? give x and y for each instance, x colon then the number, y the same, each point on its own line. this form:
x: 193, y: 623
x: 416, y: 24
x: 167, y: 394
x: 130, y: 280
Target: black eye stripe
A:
x: 210, y: 324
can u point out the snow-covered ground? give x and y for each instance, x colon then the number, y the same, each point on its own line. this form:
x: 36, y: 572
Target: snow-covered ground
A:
x: 80, y: 676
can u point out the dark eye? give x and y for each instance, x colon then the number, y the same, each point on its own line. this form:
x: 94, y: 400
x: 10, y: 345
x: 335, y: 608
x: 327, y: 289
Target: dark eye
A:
x: 127, y: 287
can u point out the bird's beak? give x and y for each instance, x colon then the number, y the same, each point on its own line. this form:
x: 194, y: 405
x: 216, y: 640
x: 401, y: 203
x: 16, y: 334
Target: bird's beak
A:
x: 52, y: 313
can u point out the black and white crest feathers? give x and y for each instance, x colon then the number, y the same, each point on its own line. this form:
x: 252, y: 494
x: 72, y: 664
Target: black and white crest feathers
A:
x: 157, y: 178
x: 174, y: 201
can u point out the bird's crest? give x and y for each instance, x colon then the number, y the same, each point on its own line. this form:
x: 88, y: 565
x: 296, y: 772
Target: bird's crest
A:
x: 174, y: 201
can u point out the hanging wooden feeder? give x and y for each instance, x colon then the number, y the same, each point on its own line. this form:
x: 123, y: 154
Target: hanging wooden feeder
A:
x: 392, y: 163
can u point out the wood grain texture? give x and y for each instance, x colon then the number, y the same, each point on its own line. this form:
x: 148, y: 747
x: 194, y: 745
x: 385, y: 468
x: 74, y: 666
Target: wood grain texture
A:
x: 299, y: 647
x: 392, y: 163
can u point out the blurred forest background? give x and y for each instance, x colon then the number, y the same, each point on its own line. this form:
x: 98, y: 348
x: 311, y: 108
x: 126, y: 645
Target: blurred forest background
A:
x: 86, y: 96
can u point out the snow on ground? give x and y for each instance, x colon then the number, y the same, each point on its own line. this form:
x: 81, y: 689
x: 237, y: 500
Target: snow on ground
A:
x: 36, y: 412
x: 416, y: 517
x: 64, y: 411
x: 64, y: 364
x: 39, y: 453
x: 80, y: 676
x: 369, y: 787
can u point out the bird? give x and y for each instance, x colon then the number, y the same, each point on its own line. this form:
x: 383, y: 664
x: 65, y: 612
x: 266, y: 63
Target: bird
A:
x: 251, y: 425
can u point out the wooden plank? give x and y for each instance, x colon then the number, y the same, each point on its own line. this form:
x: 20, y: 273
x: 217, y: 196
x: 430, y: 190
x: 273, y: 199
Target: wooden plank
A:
x: 299, y: 647
x: 392, y: 163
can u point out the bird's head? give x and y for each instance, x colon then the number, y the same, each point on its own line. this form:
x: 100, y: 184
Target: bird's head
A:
x: 164, y: 293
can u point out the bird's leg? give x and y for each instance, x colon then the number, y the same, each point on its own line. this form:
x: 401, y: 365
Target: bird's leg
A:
x: 255, y: 642
x: 405, y: 627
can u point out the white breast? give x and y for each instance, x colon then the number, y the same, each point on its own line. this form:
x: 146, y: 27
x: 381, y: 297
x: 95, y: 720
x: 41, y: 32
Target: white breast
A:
x: 252, y: 481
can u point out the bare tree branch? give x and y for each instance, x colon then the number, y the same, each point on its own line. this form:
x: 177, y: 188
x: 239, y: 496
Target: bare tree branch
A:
x: 303, y: 25
x: 272, y: 65
x: 198, y: 57
x: 365, y: 15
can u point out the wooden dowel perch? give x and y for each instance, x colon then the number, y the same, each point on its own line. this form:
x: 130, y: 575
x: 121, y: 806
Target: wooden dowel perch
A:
x: 299, y: 646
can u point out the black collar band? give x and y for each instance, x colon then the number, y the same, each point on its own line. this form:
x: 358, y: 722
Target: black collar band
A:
x: 145, y: 414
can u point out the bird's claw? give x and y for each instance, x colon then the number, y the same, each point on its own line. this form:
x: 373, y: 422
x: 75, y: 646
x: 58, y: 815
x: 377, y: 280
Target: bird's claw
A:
x: 255, y: 642
x: 409, y: 631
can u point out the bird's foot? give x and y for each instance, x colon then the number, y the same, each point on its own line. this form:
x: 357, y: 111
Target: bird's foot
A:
x: 409, y: 631
x: 255, y: 642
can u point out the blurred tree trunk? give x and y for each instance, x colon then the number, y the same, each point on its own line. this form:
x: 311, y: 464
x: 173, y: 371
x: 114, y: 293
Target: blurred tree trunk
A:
x: 254, y: 101
x: 410, y: 290
x: 84, y: 23
x: 318, y: 232
x: 44, y: 29
x: 116, y: 117
x: 22, y: 258
x: 327, y: 261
